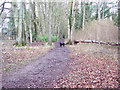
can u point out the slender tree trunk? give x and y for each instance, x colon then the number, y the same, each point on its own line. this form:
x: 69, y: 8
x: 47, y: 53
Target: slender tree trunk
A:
x: 30, y: 24
x: 41, y: 25
x: 73, y: 23
x: 83, y: 24
x: 16, y: 19
x: 99, y: 17
x: 55, y: 29
x: 53, y: 23
x: 68, y: 27
x: 26, y: 28
x: 68, y: 30
x: 19, y: 40
x: 99, y: 10
x: 103, y: 9
x: 35, y: 26
x: 72, y: 29
x: 24, y: 24
x: 103, y: 14
x: 30, y: 31
x: 70, y: 21
x: 44, y: 19
x: 50, y: 42
x: 26, y: 33
x: 58, y: 34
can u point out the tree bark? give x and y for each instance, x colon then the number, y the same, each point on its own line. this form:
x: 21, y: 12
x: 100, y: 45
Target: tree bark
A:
x: 70, y: 21
x: 16, y: 19
x: 103, y: 9
x: 83, y: 24
x: 99, y: 10
x: 50, y: 42
x: 58, y: 32
x: 41, y: 19
x: 68, y: 29
x: 30, y: 31
x: 73, y: 23
x: 35, y: 26
x: 19, y: 40
x: 30, y: 24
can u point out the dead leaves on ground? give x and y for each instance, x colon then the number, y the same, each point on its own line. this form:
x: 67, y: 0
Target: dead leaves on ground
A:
x: 16, y: 57
x: 90, y: 72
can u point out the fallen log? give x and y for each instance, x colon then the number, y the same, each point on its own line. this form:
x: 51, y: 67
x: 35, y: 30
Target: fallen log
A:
x: 97, y: 42
x: 76, y: 42
x: 86, y: 41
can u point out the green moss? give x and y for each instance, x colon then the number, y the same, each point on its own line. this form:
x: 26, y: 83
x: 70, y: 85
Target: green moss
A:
x: 69, y: 42
x: 28, y: 48
x: 19, y: 44
x: 24, y: 43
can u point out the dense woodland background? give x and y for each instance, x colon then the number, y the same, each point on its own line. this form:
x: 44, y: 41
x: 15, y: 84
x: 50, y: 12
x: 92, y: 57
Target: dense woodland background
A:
x: 29, y: 28
x: 31, y: 21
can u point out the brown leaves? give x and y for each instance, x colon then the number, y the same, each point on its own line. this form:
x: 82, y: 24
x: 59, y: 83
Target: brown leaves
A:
x: 91, y: 72
x: 16, y: 57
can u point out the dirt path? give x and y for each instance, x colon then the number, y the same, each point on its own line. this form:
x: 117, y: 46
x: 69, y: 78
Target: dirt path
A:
x: 41, y: 73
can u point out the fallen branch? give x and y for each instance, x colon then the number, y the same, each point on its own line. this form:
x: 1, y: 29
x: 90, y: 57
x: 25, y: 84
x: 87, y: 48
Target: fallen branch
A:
x: 97, y: 42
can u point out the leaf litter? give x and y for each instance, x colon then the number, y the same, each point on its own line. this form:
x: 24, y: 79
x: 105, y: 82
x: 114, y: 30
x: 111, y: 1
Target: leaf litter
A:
x: 90, y: 70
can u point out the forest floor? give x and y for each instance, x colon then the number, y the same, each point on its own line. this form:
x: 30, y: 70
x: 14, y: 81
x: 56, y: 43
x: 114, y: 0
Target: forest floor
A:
x: 93, y: 66
x: 18, y: 57
x: 79, y: 66
x: 41, y: 73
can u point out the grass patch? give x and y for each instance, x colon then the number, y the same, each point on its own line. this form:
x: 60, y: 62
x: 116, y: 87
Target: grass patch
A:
x: 27, y: 48
x: 46, y: 38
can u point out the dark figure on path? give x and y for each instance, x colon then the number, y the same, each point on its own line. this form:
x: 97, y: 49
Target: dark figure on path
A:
x: 62, y: 44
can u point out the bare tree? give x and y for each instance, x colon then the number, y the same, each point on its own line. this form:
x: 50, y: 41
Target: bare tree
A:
x: 16, y: 12
x: 73, y: 22
x: 34, y: 19
x: 83, y: 24
x: 50, y: 9
x: 99, y: 10
x: 30, y: 22
x: 103, y: 9
x: 19, y: 40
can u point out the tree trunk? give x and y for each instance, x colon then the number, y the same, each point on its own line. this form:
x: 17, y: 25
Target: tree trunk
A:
x: 99, y: 10
x: 19, y: 40
x: 83, y: 24
x: 16, y: 19
x: 73, y: 23
x: 24, y: 24
x: 103, y: 9
x: 68, y: 29
x: 72, y: 29
x: 58, y: 34
x: 70, y: 21
x: 34, y: 16
x: 30, y: 24
x: 50, y: 42
x: 41, y: 19
x: 30, y: 31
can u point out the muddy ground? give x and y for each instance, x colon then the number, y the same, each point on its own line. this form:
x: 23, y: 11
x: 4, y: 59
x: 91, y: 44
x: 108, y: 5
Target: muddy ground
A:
x: 41, y: 73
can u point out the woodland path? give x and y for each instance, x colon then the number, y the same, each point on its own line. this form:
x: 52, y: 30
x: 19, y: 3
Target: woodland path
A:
x: 41, y: 73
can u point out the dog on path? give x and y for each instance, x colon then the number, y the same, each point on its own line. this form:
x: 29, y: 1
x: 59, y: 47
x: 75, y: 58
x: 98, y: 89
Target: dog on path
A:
x: 62, y: 44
